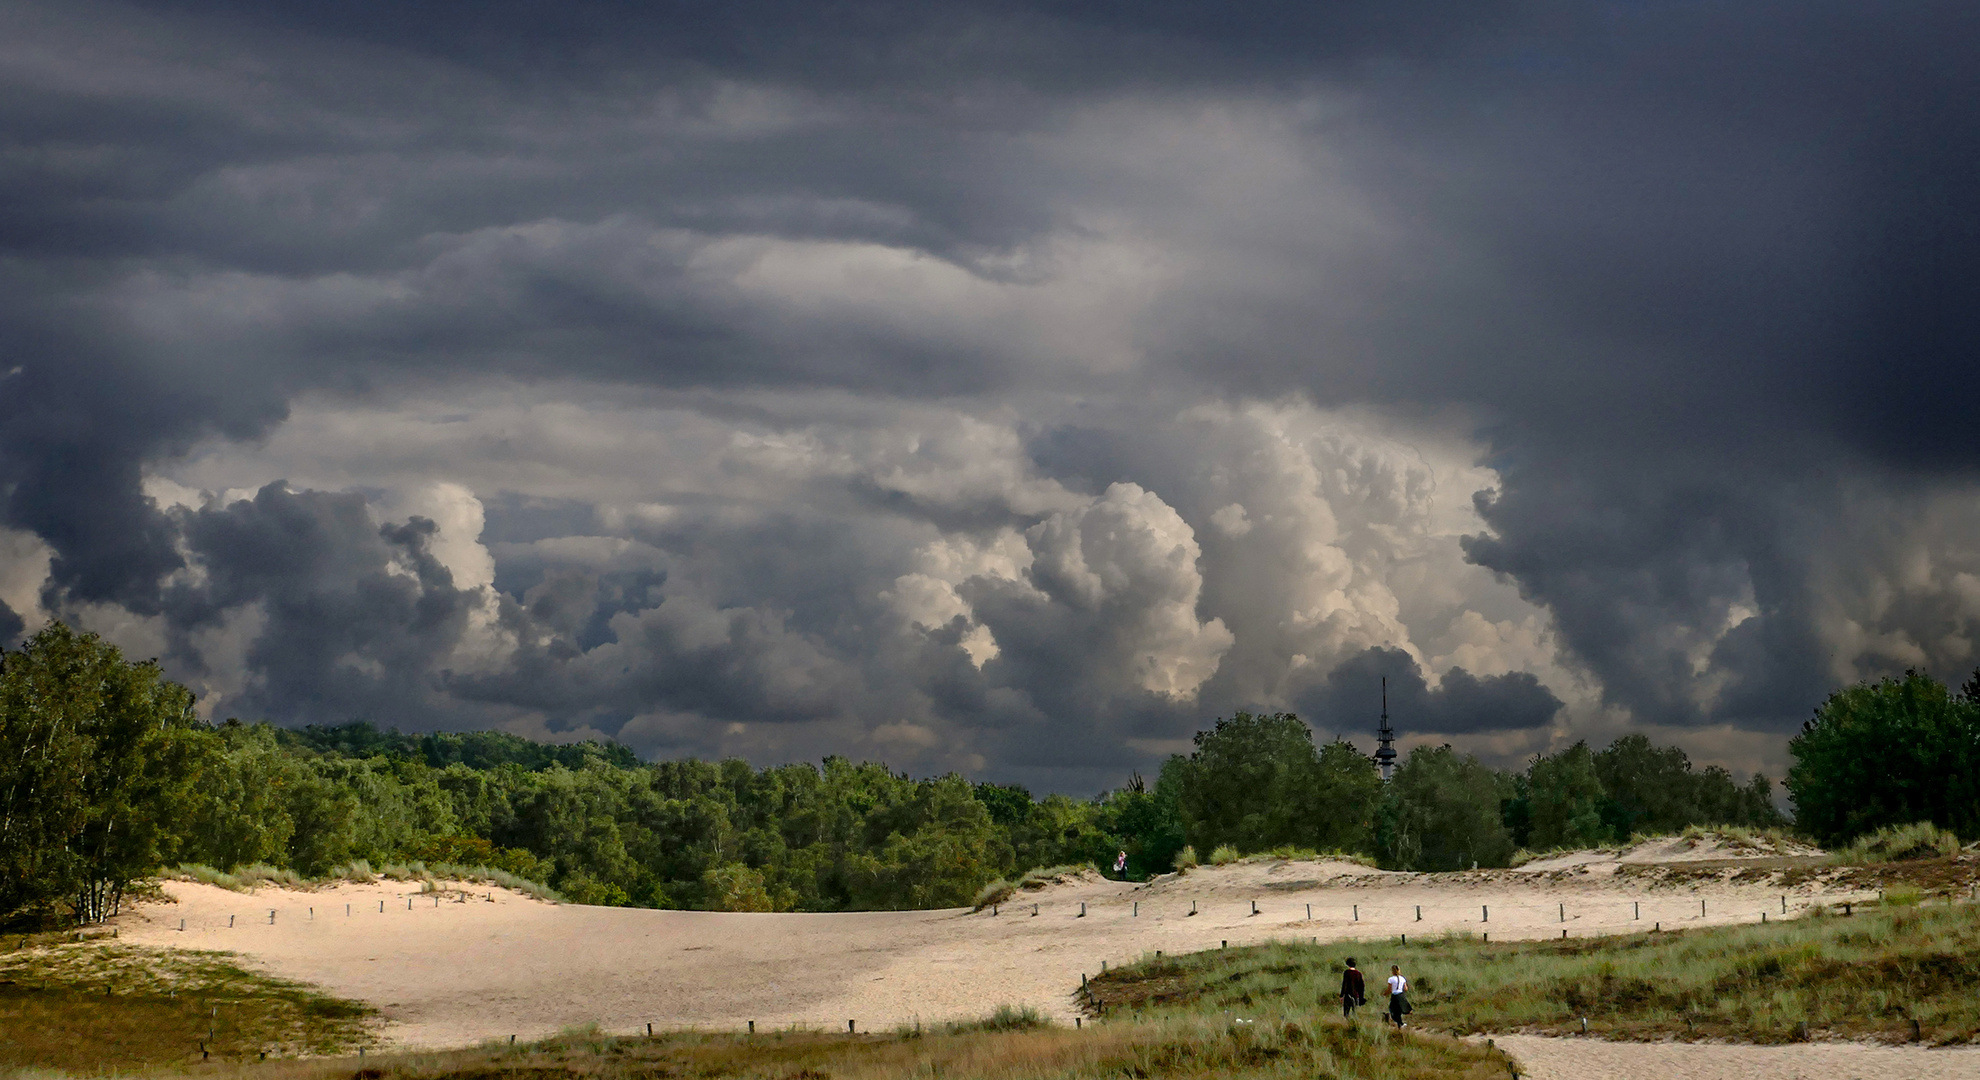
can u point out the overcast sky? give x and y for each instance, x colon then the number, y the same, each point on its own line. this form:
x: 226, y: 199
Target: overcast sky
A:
x: 1003, y: 387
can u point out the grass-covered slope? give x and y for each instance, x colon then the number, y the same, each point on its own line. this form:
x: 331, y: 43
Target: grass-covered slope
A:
x: 97, y: 1006
x: 1184, y: 1048
x: 1865, y: 976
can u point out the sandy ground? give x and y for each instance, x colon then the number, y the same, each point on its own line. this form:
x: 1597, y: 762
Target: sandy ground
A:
x: 1592, y: 1059
x: 452, y: 973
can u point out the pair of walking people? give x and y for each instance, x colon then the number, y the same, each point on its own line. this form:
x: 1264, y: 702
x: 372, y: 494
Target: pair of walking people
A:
x: 1354, y: 993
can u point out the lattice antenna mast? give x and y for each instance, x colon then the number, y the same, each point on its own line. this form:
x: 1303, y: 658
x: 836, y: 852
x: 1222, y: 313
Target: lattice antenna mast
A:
x: 1385, y: 755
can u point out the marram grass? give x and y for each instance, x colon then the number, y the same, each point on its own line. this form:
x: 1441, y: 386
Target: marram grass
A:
x: 1864, y: 976
x: 1179, y: 1047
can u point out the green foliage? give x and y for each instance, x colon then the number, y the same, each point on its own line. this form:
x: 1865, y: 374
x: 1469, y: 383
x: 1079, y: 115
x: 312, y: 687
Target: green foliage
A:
x: 1898, y: 843
x: 1007, y: 1018
x: 1566, y: 798
x: 1442, y: 813
x: 1256, y: 782
x: 1889, y: 753
x: 474, y: 749
x: 1654, y: 790
x: 98, y: 758
x: 1243, y: 786
x: 1149, y: 822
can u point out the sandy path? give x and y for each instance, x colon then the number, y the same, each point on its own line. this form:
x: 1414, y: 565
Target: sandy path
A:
x: 1543, y: 1058
x: 457, y: 973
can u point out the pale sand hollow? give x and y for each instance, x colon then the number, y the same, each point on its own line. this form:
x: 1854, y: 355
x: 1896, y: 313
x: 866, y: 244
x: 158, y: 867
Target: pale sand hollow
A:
x: 458, y: 973
x: 1542, y: 1058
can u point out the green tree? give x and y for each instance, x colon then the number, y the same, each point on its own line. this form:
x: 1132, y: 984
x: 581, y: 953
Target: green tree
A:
x: 1649, y: 788
x: 1247, y: 783
x: 1146, y: 823
x: 242, y: 811
x: 1347, y: 791
x: 1653, y: 789
x: 99, y: 758
x: 1565, y: 800
x: 1891, y: 752
x: 736, y: 887
x: 1441, y: 811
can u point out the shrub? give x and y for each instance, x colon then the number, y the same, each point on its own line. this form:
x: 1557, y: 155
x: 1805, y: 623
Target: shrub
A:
x: 1524, y: 856
x: 1903, y: 896
x: 264, y: 874
x: 492, y: 875
x: 1224, y: 855
x: 1898, y: 843
x: 995, y: 892
x: 1006, y: 1018
x: 1049, y: 875
x: 207, y: 875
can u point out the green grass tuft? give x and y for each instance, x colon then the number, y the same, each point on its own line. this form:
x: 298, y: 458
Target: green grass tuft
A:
x: 1899, y: 843
x: 995, y: 892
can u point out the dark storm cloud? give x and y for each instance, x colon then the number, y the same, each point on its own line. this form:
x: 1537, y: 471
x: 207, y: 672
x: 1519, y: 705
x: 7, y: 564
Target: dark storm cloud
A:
x: 360, y: 619
x: 11, y: 625
x: 1462, y: 704
x: 1704, y: 271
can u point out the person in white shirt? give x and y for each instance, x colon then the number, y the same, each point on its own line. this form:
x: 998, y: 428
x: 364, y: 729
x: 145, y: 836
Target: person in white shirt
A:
x: 1398, y: 996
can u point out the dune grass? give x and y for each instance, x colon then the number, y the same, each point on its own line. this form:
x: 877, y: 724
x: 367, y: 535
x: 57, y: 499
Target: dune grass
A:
x: 1865, y: 976
x: 1898, y: 843
x: 1180, y: 1047
x: 996, y: 892
x: 434, y: 878
x: 100, y: 1007
x: 1288, y: 853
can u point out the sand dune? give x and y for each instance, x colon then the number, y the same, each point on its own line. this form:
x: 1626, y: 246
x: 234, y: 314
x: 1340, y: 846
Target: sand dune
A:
x: 454, y: 973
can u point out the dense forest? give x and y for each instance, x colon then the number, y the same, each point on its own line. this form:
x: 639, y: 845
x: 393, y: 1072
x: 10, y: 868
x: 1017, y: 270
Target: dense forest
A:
x: 108, y: 774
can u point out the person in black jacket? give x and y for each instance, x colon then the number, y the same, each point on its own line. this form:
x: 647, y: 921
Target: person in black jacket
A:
x: 1354, y: 991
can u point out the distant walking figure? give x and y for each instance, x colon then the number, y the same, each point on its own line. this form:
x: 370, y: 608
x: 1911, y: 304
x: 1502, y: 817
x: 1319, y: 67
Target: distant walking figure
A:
x: 1354, y: 991
x: 1120, y: 864
x: 1398, y: 996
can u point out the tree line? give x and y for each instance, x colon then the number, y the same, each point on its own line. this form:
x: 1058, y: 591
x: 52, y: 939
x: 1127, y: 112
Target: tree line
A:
x: 108, y: 774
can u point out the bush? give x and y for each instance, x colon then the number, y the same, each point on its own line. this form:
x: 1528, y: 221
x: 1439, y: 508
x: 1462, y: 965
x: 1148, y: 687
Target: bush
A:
x: 207, y: 875
x: 1899, y: 843
x: 1049, y: 875
x: 1225, y: 855
x: 995, y: 892
x: 264, y: 874
x: 1006, y: 1018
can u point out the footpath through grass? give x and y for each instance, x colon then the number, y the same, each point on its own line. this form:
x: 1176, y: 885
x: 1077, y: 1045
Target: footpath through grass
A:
x: 99, y: 1007
x: 1868, y: 976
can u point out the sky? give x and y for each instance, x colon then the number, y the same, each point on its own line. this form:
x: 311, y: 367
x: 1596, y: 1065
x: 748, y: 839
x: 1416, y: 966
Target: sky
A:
x: 1008, y: 388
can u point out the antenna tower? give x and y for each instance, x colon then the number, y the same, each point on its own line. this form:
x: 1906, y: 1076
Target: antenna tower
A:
x: 1385, y: 755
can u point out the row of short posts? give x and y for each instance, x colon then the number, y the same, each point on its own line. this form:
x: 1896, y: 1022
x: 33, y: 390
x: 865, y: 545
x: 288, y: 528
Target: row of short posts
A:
x: 1484, y: 911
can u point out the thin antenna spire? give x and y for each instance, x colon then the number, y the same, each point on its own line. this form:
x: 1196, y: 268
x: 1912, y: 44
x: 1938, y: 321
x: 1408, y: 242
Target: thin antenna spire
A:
x: 1385, y: 754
